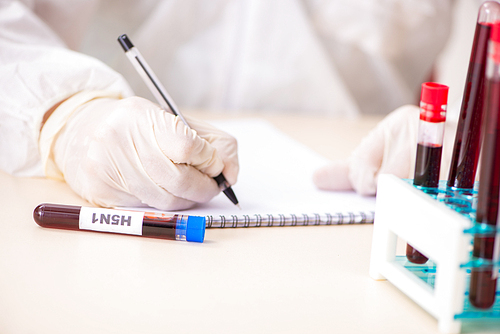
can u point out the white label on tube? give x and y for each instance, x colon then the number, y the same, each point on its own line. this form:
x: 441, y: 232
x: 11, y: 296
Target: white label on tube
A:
x: 107, y: 220
x: 430, y: 134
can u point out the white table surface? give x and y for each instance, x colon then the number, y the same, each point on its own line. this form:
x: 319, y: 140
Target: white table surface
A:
x: 260, y: 280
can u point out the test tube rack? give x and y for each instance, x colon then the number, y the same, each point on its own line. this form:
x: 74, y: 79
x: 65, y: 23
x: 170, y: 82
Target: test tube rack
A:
x: 439, y: 224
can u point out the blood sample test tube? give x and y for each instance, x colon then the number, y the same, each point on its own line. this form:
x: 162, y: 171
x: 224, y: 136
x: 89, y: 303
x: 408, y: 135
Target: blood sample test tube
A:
x: 433, y: 104
x: 483, y: 280
x: 147, y: 224
x: 468, y: 136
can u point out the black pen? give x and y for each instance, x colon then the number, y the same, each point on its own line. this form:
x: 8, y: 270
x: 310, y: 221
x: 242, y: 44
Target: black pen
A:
x: 164, y: 99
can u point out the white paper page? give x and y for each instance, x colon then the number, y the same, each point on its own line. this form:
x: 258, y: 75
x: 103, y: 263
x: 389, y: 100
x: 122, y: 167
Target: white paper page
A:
x: 276, y: 177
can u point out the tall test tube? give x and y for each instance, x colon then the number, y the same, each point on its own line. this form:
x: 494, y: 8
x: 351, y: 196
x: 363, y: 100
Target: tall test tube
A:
x: 468, y: 136
x: 483, y: 281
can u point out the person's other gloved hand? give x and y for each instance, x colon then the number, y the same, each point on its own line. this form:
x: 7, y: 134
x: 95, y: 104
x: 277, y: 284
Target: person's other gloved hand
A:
x: 129, y: 152
x: 390, y: 148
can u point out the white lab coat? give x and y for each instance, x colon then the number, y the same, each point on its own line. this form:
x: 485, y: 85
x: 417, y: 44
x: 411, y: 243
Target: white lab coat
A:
x: 339, y: 57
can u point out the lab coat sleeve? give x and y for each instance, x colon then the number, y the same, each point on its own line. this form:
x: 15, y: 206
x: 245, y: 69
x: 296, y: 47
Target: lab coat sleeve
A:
x: 37, y: 71
x: 392, y: 43
x: 383, y: 28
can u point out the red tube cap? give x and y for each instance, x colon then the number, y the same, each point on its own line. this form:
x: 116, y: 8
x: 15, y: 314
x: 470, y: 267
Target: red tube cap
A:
x: 494, y: 43
x: 433, y: 101
x: 495, y: 32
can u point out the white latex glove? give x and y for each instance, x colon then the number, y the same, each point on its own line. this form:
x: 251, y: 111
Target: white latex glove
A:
x: 129, y: 152
x: 390, y: 148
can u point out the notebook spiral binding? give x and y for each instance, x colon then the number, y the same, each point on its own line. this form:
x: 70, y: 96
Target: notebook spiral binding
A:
x: 268, y: 220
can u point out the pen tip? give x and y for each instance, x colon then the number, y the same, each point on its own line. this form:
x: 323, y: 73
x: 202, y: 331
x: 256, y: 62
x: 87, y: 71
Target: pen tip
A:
x: 238, y: 205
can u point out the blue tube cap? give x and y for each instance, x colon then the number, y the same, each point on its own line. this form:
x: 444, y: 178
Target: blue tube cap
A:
x: 195, y: 230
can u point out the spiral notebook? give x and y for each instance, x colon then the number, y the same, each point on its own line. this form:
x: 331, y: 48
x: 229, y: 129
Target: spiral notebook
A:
x: 275, y: 185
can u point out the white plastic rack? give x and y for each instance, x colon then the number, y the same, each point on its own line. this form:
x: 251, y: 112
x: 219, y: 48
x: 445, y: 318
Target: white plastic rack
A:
x: 440, y: 224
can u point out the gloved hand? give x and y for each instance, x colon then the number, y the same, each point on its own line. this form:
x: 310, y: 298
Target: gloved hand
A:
x: 390, y: 148
x: 129, y: 152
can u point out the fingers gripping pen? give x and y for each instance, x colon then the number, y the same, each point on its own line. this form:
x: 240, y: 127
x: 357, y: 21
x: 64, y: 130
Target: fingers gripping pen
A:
x: 164, y: 100
x: 433, y: 104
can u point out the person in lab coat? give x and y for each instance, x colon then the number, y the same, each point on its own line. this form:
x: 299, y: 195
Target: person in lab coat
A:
x: 72, y: 107
x: 390, y: 148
